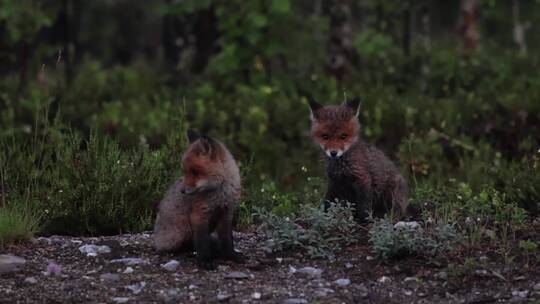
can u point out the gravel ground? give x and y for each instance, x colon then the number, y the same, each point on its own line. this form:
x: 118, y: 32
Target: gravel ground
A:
x: 56, y: 271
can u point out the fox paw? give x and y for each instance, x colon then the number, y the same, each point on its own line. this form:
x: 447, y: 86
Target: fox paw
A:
x: 207, y: 265
x: 237, y: 258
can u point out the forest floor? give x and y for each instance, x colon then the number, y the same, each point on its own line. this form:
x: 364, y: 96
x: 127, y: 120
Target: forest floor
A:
x: 56, y: 271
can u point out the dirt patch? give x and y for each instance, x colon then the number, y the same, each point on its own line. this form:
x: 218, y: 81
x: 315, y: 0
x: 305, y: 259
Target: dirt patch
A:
x: 354, y: 277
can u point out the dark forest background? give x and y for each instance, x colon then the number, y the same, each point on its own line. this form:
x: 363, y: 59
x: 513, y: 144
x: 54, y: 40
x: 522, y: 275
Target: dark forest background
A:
x: 96, y: 96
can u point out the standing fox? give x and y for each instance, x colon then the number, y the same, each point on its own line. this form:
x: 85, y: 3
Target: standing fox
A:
x: 357, y: 172
x: 201, y: 203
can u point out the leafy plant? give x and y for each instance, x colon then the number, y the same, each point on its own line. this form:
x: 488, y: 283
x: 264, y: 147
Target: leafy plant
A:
x: 392, y: 241
x: 320, y: 234
x: 18, y: 222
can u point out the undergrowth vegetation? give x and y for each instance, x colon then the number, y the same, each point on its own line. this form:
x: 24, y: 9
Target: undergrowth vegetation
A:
x: 91, y: 150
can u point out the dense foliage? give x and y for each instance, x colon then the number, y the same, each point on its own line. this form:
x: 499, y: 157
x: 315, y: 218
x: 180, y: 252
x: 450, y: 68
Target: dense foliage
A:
x: 93, y: 117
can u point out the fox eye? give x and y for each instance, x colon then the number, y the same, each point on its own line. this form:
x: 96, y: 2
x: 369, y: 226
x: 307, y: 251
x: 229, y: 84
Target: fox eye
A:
x: 325, y: 136
x: 343, y: 136
x: 194, y: 172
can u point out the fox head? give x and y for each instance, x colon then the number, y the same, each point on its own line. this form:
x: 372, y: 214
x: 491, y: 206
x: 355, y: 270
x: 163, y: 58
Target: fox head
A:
x: 335, y: 128
x: 203, y: 164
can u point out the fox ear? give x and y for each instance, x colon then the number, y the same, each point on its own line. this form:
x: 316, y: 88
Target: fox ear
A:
x: 354, y: 104
x: 313, y: 105
x: 209, y: 145
x: 192, y: 136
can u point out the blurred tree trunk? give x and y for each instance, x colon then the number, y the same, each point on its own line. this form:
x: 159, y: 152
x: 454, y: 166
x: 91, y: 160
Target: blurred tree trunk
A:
x: 67, y: 12
x: 468, y: 24
x: 206, y: 35
x: 520, y: 29
x: 339, y: 45
x: 425, y: 14
x: 171, y: 39
x: 407, y: 29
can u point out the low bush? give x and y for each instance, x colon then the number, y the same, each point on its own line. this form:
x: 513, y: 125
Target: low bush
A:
x: 320, y: 234
x: 17, y: 223
x: 394, y: 241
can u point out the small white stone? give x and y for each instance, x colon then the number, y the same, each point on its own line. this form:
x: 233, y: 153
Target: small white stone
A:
x: 223, y: 296
x: 310, y: 272
x: 131, y: 261
x: 384, y: 279
x: 349, y: 265
x: 137, y: 287
x: 369, y: 258
x: 342, y: 282
x: 93, y: 250
x: 120, y: 300
x: 256, y: 295
x: 536, y: 287
x: 238, y: 275
x: 191, y: 287
x: 30, y: 280
x: 520, y: 293
x: 128, y: 270
x: 171, y: 265
x: 407, y: 225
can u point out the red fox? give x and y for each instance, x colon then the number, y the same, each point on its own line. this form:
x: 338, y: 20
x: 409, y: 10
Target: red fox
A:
x: 201, y: 203
x: 357, y: 172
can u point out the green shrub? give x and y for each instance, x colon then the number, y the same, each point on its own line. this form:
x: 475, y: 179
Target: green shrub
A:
x: 86, y: 186
x: 389, y: 241
x: 17, y: 223
x: 320, y: 234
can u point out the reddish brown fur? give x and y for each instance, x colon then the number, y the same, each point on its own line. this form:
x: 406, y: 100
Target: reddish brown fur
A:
x: 201, y: 203
x: 357, y: 172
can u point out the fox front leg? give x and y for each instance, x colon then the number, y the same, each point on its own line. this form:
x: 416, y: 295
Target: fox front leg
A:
x: 200, y: 224
x: 226, y: 242
x: 363, y: 202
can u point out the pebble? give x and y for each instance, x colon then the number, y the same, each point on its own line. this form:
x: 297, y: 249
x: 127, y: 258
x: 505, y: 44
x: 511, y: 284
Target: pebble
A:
x: 222, y: 297
x: 384, y: 279
x: 137, y: 287
x: 295, y: 301
x: 110, y: 277
x: 256, y: 295
x: 369, y: 258
x: 311, y: 272
x: 349, y: 265
x: 171, y: 295
x: 238, y: 275
x: 408, y: 293
x: 120, y: 300
x: 342, y: 282
x: 410, y: 279
x: 128, y: 270
x: 131, y: 261
x: 30, y: 280
x: 94, y: 250
x: 171, y: 265
x: 481, y: 273
x: 521, y: 294
x: 323, y: 292
x: 10, y: 263
x: 442, y: 275
x: 53, y: 269
x: 407, y: 225
x: 536, y: 287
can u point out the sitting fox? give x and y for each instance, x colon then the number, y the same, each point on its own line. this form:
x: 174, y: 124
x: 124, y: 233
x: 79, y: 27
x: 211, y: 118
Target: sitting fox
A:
x: 201, y: 203
x: 357, y: 172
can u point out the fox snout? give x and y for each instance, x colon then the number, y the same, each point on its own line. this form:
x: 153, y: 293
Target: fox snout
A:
x: 187, y: 190
x: 334, y: 153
